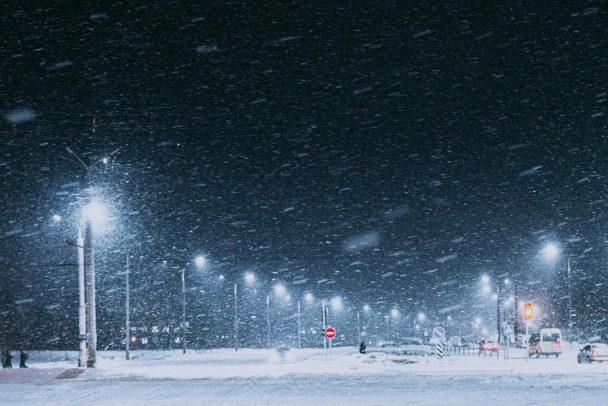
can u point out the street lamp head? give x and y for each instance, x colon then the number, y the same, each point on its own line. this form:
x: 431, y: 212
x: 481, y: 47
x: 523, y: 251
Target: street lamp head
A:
x: 395, y: 313
x: 336, y: 303
x: 249, y: 277
x: 96, y: 212
x: 507, y: 281
x: 486, y: 289
x: 280, y: 290
x: 56, y: 217
x: 421, y: 316
x: 308, y: 297
x: 200, y: 261
x: 550, y: 252
x: 366, y: 308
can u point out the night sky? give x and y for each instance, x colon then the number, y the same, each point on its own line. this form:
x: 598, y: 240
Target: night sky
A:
x: 387, y: 152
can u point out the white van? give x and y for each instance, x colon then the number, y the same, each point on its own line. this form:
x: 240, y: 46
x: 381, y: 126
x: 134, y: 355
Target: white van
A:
x: 548, y: 342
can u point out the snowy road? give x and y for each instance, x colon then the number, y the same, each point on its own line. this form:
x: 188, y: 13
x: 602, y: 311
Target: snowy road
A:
x: 253, y: 377
x: 399, y: 389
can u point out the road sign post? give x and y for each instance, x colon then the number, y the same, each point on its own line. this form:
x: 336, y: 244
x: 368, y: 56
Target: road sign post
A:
x: 438, y: 334
x: 509, y: 333
x: 330, y: 333
x: 439, y: 350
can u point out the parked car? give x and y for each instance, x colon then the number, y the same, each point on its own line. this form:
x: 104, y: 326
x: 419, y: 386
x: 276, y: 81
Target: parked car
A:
x: 593, y: 353
x: 547, y: 342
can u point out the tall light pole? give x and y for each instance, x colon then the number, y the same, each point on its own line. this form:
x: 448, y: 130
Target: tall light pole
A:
x: 249, y: 278
x: 386, y: 317
x: 487, y: 289
x: 325, y: 324
x: 299, y: 327
x: 127, y: 303
x: 82, y: 327
x: 569, y: 298
x: 89, y: 266
x: 184, y: 324
x: 551, y: 253
x: 236, y: 319
x: 89, y: 278
x: 498, y: 311
x: 358, y: 335
x: 268, y: 320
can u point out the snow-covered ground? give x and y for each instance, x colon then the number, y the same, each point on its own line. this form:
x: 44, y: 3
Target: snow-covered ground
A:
x: 303, y: 377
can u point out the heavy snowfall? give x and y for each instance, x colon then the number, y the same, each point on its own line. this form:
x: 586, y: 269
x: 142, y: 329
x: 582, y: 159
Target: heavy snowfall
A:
x: 197, y: 198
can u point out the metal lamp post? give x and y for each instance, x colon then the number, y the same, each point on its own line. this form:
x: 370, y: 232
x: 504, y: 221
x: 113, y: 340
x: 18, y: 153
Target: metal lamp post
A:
x: 127, y: 311
x: 184, y: 323
x: 82, y: 327
x: 268, y: 320
x: 88, y: 270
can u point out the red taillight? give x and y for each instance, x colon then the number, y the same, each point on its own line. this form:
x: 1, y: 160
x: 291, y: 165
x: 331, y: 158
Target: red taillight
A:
x: 495, y: 345
x: 558, y: 343
x: 540, y: 345
x: 594, y: 353
x: 485, y: 346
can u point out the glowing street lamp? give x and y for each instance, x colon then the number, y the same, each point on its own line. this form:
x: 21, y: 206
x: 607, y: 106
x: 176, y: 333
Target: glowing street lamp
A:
x: 336, y: 303
x: 550, y: 252
x: 200, y: 261
x: 280, y: 290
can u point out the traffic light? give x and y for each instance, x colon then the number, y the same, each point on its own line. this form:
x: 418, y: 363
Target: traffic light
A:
x: 528, y: 311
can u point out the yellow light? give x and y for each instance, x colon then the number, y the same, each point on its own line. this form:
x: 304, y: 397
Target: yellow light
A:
x: 528, y: 312
x: 133, y: 339
x: 105, y: 160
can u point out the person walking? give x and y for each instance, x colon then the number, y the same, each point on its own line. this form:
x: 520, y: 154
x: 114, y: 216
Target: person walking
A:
x: 8, y: 359
x: 22, y: 359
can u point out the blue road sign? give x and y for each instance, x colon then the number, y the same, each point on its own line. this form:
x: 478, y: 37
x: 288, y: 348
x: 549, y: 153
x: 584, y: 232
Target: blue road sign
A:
x: 509, y: 330
x: 438, y: 332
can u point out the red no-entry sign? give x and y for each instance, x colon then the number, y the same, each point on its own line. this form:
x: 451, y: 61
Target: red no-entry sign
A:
x: 330, y: 333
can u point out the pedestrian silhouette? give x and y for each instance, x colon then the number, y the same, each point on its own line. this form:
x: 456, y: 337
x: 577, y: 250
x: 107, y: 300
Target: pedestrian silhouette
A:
x: 22, y: 359
x: 8, y: 363
x: 362, y: 348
